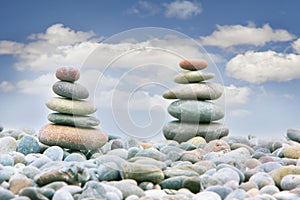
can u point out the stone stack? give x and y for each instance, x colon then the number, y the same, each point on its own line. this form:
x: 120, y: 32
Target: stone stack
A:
x: 194, y: 110
x: 72, y: 128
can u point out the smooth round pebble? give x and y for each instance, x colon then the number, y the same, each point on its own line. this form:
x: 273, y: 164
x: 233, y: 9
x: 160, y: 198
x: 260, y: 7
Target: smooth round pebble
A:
x: 195, y: 91
x: 207, y: 195
x: 55, y: 153
x: 193, y: 77
x: 193, y: 64
x: 69, y: 106
x: 7, y: 144
x: 290, y: 182
x: 67, y: 74
x: 75, y: 157
x: 70, y: 90
x: 62, y: 194
x: 73, y: 120
x: 195, y: 111
x: 28, y: 144
x: 72, y: 137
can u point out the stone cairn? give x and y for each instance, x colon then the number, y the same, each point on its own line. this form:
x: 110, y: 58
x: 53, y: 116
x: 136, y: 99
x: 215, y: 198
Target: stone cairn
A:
x: 72, y: 128
x: 194, y: 110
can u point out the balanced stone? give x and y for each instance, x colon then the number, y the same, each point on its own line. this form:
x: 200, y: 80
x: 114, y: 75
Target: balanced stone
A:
x: 72, y: 137
x: 193, y: 64
x: 67, y: 74
x: 73, y: 120
x: 193, y: 77
x: 200, y: 91
x: 195, y: 111
x: 294, y: 134
x: 70, y: 90
x: 182, y: 132
x: 68, y: 106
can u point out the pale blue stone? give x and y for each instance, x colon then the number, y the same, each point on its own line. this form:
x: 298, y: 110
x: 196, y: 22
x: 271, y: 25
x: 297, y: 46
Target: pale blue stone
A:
x: 62, y: 194
x: 195, y: 111
x: 222, y: 191
x: 206, y: 195
x: 28, y: 144
x: 290, y: 182
x: 77, y: 157
x: 262, y: 179
x: 55, y: 153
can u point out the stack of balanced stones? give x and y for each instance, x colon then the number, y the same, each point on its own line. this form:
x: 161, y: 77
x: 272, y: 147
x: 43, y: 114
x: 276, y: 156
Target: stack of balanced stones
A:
x: 72, y: 128
x: 194, y: 110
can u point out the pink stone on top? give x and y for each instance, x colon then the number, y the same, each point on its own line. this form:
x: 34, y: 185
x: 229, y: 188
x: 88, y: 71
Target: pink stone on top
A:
x: 67, y: 74
x: 193, y: 64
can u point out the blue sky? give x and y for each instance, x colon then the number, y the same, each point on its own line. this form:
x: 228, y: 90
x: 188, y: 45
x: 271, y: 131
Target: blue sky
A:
x: 255, y: 46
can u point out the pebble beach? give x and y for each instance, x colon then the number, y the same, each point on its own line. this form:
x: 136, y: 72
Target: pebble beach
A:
x: 71, y: 159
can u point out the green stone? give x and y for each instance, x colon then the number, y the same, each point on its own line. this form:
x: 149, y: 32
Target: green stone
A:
x: 70, y: 90
x: 73, y: 120
x: 69, y: 106
x: 195, y: 111
x: 193, y: 77
x: 142, y: 172
x: 195, y: 91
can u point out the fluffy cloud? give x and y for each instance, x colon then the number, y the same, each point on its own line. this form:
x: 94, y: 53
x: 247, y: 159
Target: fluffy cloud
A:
x: 226, y: 36
x: 236, y: 96
x: 58, y: 46
x: 6, y: 86
x: 143, y: 8
x: 182, y: 9
x: 39, y: 86
x: 10, y: 47
x: 259, y: 67
x: 296, y: 45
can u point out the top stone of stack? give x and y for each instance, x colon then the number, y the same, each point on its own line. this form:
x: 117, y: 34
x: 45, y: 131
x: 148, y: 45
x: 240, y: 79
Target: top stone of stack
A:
x: 193, y: 64
x: 69, y: 74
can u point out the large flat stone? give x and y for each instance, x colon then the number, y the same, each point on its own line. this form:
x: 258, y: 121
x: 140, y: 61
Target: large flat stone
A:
x: 72, y: 137
x: 73, y: 120
x: 193, y: 77
x: 195, y: 111
x: 195, y: 91
x: 69, y: 106
x: 70, y: 90
x: 182, y: 132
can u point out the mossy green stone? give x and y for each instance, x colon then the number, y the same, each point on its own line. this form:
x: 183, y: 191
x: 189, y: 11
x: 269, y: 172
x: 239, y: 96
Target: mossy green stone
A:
x: 193, y: 77
x: 69, y: 106
x: 279, y: 173
x: 73, y: 120
x: 142, y: 172
x: 195, y: 91
x: 195, y: 111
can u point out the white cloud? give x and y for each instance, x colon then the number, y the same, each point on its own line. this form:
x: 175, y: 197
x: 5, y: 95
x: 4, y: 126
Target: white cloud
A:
x: 57, y: 34
x: 259, y: 67
x: 58, y: 46
x: 182, y: 9
x: 39, y: 86
x: 296, y: 45
x: 143, y: 8
x: 10, y: 47
x: 6, y: 86
x: 227, y: 36
x: 236, y: 96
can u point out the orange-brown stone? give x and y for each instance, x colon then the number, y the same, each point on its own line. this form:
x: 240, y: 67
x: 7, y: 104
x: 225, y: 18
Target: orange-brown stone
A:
x: 72, y: 137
